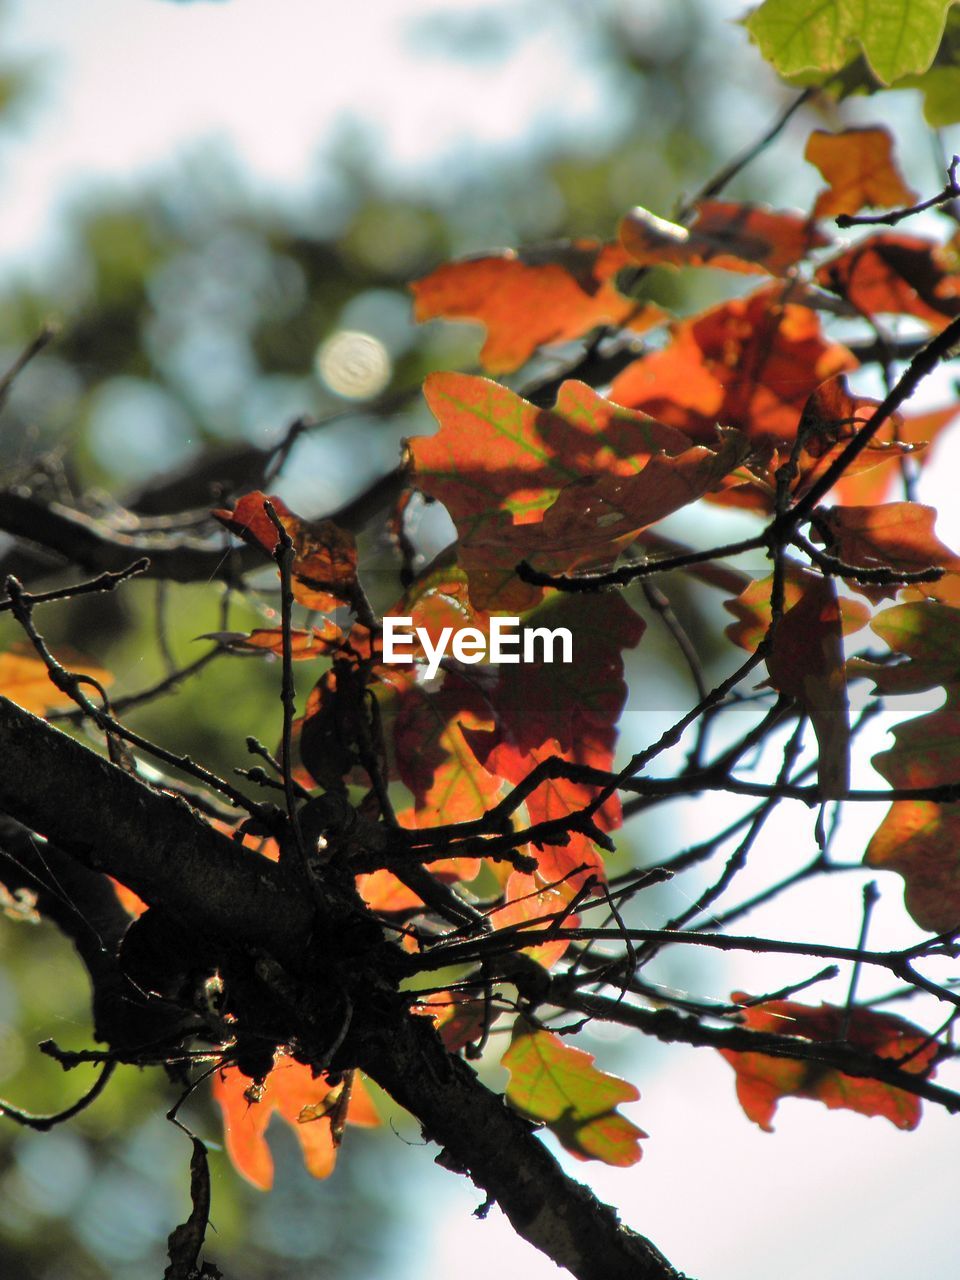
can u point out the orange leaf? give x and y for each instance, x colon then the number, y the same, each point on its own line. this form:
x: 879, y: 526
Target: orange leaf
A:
x: 530, y: 898
x: 315, y: 642
x: 763, y: 1080
x: 596, y: 517
x: 920, y: 839
x: 288, y: 1089
x: 897, y: 536
x: 750, y: 363
x: 858, y: 164
x: 555, y: 1083
x: 526, y: 301
x: 807, y: 663
x: 896, y: 275
x: 735, y: 237
x: 325, y: 556
x: 915, y: 431
x: 499, y: 461
x: 459, y: 1018
x: 24, y: 679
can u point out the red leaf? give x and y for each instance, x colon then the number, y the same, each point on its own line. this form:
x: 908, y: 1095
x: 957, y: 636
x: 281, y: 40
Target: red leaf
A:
x: 895, y: 275
x: 763, y: 1080
x: 525, y: 302
x: 325, y: 556
x: 735, y: 237
x: 750, y: 363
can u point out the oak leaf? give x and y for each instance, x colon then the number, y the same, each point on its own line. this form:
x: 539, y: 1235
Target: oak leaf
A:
x: 750, y: 363
x: 324, y: 570
x: 892, y: 274
x: 734, y: 237
x: 559, y: 1085
x: 763, y: 1080
x: 306, y: 1103
x: 859, y: 166
x: 527, y: 301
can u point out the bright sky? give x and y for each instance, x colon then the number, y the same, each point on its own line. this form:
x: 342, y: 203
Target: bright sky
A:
x: 272, y: 83
x: 126, y: 84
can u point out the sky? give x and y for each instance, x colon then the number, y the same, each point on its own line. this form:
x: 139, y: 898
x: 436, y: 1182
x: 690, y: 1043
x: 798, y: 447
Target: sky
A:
x: 127, y: 85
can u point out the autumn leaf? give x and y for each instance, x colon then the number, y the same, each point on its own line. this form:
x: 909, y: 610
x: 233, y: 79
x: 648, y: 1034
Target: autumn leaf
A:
x: 897, y: 536
x: 750, y: 363
x: 916, y: 431
x: 806, y: 662
x: 324, y: 568
x: 552, y: 1082
x: 529, y: 899
x: 596, y: 517
x: 898, y: 38
x: 305, y: 643
x: 458, y: 1017
x: 290, y: 1089
x: 763, y: 1080
x: 734, y: 237
x: 859, y: 166
x: 892, y: 274
x: 499, y: 461
x: 752, y: 611
x: 25, y: 680
x: 495, y: 450
x: 448, y: 782
x: 920, y: 839
x: 529, y: 300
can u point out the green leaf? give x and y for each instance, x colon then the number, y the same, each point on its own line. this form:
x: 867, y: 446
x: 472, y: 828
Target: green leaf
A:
x: 559, y: 1085
x: 898, y: 37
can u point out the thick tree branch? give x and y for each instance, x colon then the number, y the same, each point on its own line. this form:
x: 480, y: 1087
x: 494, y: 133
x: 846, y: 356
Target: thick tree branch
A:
x: 502, y: 1155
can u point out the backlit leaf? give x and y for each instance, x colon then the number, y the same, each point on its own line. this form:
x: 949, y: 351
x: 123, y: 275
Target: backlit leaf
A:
x: 897, y: 536
x: 859, y: 166
x: 24, y: 679
x: 750, y: 363
x: 559, y: 1085
x: 324, y: 569
x: 763, y: 1080
x: 920, y: 839
x: 892, y: 274
x: 807, y: 663
x: 898, y: 37
x: 288, y: 1089
x: 526, y: 301
x: 734, y: 237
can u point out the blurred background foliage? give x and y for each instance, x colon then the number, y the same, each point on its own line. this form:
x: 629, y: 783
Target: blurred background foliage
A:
x: 198, y: 319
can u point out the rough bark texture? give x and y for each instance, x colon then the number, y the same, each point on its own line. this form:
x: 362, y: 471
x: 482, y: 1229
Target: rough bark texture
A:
x: 109, y: 821
x: 480, y: 1135
x: 156, y: 844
